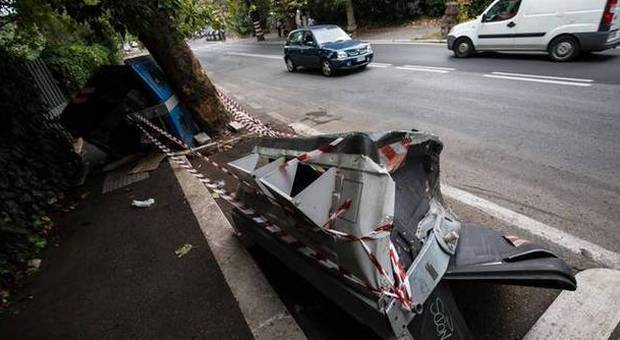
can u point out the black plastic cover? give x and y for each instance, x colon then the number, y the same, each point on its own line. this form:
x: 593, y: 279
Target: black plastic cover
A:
x: 485, y: 255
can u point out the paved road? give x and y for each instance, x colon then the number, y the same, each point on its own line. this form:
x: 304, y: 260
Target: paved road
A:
x: 545, y: 147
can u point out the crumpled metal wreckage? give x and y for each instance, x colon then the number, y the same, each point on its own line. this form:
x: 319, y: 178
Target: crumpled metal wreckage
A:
x: 361, y: 217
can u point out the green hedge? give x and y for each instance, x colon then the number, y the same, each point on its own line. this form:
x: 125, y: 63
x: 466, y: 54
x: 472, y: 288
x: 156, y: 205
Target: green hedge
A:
x: 36, y: 163
x: 476, y: 7
x: 73, y: 65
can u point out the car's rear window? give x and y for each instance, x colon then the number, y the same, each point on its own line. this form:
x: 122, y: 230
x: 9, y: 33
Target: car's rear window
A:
x: 330, y: 34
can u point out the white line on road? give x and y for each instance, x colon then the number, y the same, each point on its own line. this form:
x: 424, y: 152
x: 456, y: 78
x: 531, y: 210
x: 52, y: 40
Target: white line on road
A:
x: 266, y: 56
x: 546, y: 81
x: 556, y: 236
x: 543, y: 77
x: 572, y: 243
x: 380, y: 65
x: 431, y: 67
x: 420, y: 69
x: 405, y: 42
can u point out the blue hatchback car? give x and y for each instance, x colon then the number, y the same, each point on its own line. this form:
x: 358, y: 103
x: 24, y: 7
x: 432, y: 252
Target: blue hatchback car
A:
x: 327, y: 47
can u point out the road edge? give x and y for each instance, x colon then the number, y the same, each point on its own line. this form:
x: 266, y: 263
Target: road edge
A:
x: 589, y: 313
x: 260, y: 305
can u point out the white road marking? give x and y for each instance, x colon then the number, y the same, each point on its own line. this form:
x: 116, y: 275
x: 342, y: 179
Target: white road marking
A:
x: 404, y: 42
x: 543, y: 77
x: 380, y: 65
x: 546, y: 81
x: 572, y: 243
x: 265, y: 56
x: 419, y: 69
x: 589, y: 313
x: 432, y: 67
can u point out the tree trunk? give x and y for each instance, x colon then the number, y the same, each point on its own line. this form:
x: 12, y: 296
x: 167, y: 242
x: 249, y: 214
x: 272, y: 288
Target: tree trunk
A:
x: 185, y: 74
x: 351, y: 25
x: 258, y: 30
x: 255, y: 16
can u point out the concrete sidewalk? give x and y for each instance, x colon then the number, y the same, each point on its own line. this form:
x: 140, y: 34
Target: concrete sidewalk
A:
x: 114, y: 274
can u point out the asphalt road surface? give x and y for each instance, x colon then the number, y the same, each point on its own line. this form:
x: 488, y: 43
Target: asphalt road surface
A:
x: 536, y: 137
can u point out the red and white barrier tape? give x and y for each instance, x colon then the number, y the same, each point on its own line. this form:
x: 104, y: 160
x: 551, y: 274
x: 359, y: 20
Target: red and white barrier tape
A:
x: 213, y: 187
x: 327, y: 148
x: 249, y: 122
x: 393, y: 155
x: 400, y: 286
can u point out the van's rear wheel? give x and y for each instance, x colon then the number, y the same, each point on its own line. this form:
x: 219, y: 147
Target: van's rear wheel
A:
x: 464, y: 48
x: 564, y: 48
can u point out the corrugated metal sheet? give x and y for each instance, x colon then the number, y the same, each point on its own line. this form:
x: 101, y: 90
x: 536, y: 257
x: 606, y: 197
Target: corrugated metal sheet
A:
x: 50, y: 91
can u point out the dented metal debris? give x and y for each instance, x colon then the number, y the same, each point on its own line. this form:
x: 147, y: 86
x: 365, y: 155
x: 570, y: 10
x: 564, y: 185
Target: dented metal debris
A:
x: 361, y: 216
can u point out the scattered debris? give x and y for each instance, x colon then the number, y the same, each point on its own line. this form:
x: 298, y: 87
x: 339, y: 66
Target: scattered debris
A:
x: 186, y: 248
x: 117, y: 164
x: 33, y: 266
x: 70, y: 207
x: 202, y: 138
x: 120, y: 179
x: 148, y: 163
x: 4, y: 298
x: 376, y: 197
x: 78, y: 145
x: 235, y: 126
x: 143, y: 204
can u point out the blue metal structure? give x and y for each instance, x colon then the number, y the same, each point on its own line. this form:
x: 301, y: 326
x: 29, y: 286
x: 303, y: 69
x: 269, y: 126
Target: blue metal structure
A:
x: 178, y: 121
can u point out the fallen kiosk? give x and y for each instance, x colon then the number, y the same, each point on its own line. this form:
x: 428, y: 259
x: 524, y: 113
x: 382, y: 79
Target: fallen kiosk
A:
x: 361, y: 217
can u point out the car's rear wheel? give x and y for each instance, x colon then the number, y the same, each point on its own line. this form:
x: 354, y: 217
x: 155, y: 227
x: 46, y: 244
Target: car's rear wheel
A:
x: 464, y: 48
x: 564, y: 48
x: 326, y: 68
x: 290, y: 65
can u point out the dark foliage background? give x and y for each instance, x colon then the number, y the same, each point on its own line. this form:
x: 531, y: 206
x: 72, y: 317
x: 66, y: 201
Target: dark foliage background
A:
x: 36, y: 163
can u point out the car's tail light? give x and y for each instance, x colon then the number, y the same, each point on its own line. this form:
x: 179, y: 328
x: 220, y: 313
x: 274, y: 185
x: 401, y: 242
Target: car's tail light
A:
x: 608, y: 15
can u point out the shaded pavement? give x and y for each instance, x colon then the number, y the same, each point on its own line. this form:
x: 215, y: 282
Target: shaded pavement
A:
x: 114, y: 273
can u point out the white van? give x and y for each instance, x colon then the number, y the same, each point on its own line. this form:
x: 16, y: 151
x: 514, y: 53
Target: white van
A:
x: 564, y: 28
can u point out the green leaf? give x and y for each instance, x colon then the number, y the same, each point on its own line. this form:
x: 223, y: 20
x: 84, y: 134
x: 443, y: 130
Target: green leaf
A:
x: 38, y: 241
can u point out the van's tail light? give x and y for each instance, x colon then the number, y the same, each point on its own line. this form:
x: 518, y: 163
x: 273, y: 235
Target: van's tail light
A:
x: 608, y: 15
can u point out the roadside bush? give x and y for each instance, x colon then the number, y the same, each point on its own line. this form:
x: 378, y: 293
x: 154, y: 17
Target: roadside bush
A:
x: 36, y: 162
x: 434, y: 8
x: 475, y: 8
x: 72, y: 65
x: 329, y: 12
x: 238, y: 18
x: 376, y: 12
